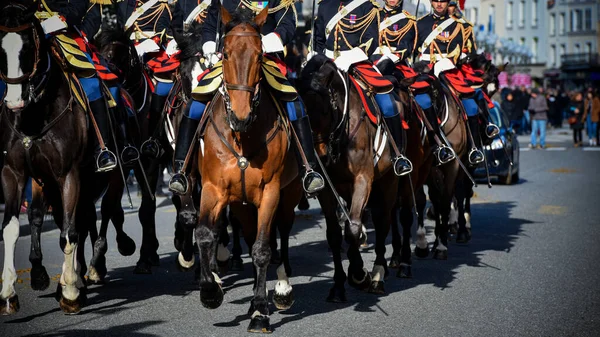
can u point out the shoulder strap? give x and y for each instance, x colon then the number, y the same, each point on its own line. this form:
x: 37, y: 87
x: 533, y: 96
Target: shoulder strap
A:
x: 436, y: 32
x: 199, y: 9
x: 391, y: 20
x: 339, y: 15
x: 138, y: 12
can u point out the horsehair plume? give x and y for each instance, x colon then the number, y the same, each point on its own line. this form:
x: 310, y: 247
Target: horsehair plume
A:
x: 311, y: 78
x: 461, y: 4
x: 109, y: 35
x: 190, y: 42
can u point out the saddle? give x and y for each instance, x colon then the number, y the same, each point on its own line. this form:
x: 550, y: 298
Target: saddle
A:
x: 370, y: 78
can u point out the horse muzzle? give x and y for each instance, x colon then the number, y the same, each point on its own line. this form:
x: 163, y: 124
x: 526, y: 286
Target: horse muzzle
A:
x: 15, y: 105
x: 240, y: 125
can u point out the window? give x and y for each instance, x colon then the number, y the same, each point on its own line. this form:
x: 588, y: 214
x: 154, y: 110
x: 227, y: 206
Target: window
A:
x: 509, y: 14
x: 563, y: 49
x: 534, y: 50
x: 553, y: 55
x: 474, y: 15
x: 534, y: 12
x: 588, y: 47
x: 492, y: 19
x: 522, y: 41
x: 576, y: 20
x: 522, y: 13
x: 577, y: 48
x: 552, y: 24
x: 561, y: 24
x: 588, y: 19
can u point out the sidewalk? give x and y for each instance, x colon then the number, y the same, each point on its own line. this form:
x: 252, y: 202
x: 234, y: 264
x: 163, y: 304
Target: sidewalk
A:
x: 557, y: 139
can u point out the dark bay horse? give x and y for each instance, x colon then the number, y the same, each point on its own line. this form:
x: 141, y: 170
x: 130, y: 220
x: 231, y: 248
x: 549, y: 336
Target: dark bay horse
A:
x: 45, y: 136
x: 247, y: 163
x: 345, y: 138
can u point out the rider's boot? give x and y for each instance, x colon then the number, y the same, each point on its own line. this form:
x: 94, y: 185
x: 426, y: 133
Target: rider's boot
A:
x: 443, y: 153
x: 129, y: 154
x: 491, y: 129
x: 151, y: 147
x: 105, y: 159
x: 402, y: 165
x: 312, y: 181
x: 475, y: 154
x: 185, y: 135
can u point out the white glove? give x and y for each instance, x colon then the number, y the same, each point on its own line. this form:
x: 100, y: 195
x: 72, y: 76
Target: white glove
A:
x: 148, y: 46
x: 209, y: 47
x: 53, y: 24
x: 442, y: 65
x: 310, y: 55
x: 172, y: 47
x: 210, y: 60
x: 348, y: 58
x: 272, y: 43
x: 391, y: 56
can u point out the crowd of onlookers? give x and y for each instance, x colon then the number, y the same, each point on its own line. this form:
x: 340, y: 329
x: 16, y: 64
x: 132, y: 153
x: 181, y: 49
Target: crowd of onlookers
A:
x: 532, y: 110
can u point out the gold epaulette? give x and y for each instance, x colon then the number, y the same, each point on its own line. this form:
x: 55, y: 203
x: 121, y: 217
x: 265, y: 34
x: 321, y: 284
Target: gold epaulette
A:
x: 103, y: 2
x: 282, y: 4
x: 421, y: 18
x: 408, y: 15
x: 376, y: 4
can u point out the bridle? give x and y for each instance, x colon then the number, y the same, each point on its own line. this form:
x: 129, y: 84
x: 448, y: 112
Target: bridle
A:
x: 27, y: 76
x: 253, y: 90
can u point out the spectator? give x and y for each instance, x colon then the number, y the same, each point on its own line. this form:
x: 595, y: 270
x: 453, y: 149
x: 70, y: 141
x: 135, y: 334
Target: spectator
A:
x: 563, y: 104
x: 553, y: 111
x: 509, y: 106
x: 592, y: 113
x: 522, y: 97
x: 538, y: 108
x: 576, y: 118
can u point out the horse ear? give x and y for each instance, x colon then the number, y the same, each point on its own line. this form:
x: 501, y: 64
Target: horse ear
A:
x: 502, y: 67
x: 261, y: 18
x: 225, y: 16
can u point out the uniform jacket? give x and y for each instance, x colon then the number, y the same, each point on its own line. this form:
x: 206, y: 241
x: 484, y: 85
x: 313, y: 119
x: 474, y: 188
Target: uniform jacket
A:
x: 146, y: 22
x: 401, y: 35
x: 452, y: 41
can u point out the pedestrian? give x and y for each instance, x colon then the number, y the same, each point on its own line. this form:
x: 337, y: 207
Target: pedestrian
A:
x: 553, y: 111
x: 538, y: 110
x: 576, y: 110
x: 509, y: 106
x: 592, y: 113
x: 525, y: 97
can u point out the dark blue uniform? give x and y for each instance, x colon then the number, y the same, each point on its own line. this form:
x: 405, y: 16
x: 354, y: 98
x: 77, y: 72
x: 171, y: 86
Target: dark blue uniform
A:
x: 448, y: 42
x: 72, y: 10
x: 183, y: 9
x: 146, y: 22
x: 343, y: 37
x: 398, y: 35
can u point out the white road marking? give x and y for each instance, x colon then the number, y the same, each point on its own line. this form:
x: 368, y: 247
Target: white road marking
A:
x: 591, y: 149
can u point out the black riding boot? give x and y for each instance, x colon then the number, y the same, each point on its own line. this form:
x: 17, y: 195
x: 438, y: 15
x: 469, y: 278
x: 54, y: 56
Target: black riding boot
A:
x: 129, y: 154
x: 402, y: 165
x: 151, y: 147
x: 443, y: 153
x: 105, y: 159
x: 475, y: 154
x: 185, y: 135
x: 312, y: 181
x: 491, y: 129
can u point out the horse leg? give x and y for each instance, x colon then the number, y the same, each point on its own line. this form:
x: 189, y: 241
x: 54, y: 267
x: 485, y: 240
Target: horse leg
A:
x: 385, y: 198
x: 467, y: 212
x: 453, y: 216
x: 125, y: 244
x: 337, y: 293
x: 184, y: 224
x: 261, y: 257
x: 421, y: 246
x: 236, y: 253
x: 211, y: 204
x: 275, y: 255
x: 223, y: 254
x: 396, y: 240
x: 359, y: 277
x: 98, y: 268
x: 12, y: 184
x: 283, y: 296
x: 462, y: 234
x: 37, y: 209
x: 71, y: 299
x: 147, y: 213
x: 406, y: 218
x: 440, y: 251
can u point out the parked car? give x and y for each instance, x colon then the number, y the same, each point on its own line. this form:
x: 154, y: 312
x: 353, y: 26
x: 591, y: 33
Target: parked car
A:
x: 498, y: 159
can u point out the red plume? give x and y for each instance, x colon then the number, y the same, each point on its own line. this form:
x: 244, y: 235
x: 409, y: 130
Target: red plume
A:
x: 461, y: 4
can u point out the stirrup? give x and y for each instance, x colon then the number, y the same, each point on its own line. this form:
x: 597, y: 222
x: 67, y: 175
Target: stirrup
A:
x: 405, y: 171
x: 151, y: 148
x: 107, y: 168
x: 473, y: 151
x: 315, y: 189
x: 179, y: 179
x: 492, y: 130
x: 132, y: 160
x: 438, y: 151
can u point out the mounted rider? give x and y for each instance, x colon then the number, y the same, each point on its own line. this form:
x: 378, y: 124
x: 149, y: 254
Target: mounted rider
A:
x: 61, y: 21
x: 443, y: 39
x: 347, y: 31
x: 90, y: 27
x: 148, y: 22
x: 278, y: 30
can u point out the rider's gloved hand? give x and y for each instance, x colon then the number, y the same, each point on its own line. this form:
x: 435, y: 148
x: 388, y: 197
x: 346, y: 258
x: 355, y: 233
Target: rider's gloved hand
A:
x: 54, y: 24
x: 209, y: 50
x: 147, y: 46
x: 271, y: 43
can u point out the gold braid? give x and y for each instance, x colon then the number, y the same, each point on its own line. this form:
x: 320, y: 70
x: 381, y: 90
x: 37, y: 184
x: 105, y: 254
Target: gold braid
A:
x: 342, y: 28
x: 384, y: 37
x: 283, y: 4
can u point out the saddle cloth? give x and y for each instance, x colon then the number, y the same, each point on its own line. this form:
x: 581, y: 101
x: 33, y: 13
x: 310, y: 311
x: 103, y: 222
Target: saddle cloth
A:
x: 373, y: 80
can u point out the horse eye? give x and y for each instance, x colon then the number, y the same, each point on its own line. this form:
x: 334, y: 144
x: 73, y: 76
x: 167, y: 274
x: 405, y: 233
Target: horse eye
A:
x: 225, y: 56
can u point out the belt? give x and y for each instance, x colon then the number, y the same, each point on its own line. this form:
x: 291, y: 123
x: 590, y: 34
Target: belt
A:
x: 146, y: 34
x: 332, y: 55
x: 428, y: 57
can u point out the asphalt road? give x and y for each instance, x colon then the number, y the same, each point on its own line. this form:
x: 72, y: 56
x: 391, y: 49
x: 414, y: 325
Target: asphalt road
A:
x: 531, y: 269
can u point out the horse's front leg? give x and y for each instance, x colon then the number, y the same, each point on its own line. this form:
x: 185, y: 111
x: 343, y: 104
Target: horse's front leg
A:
x: 39, y: 276
x: 261, y: 257
x: 211, y: 205
x: 12, y: 184
x: 421, y: 245
x: 359, y: 277
x: 71, y: 299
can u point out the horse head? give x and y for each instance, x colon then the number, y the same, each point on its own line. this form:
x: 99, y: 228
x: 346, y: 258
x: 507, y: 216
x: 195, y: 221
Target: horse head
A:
x: 114, y: 44
x: 21, y: 37
x: 324, y: 94
x: 242, y: 60
x: 189, y: 44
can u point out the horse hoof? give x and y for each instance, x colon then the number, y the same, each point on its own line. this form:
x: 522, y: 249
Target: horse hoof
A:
x: 236, y: 264
x: 142, y: 268
x: 39, y: 278
x: 453, y: 228
x: 421, y: 252
x: 394, y: 262
x: 283, y: 301
x: 337, y: 295
x: 462, y: 237
x: 95, y: 276
x: 126, y: 245
x: 275, y: 257
x: 212, y: 298
x: 260, y: 324
x: 71, y: 307
x: 440, y: 254
x: 10, y: 305
x: 404, y: 271
x: 377, y: 287
x: 154, y: 260
x: 360, y: 285
x: 303, y: 205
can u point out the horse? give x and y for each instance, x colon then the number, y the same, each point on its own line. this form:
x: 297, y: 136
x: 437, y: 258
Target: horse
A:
x: 58, y: 158
x: 248, y: 165
x: 345, y: 138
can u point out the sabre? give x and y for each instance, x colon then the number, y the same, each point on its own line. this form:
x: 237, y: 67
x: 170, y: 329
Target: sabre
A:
x: 417, y: 10
x: 312, y: 27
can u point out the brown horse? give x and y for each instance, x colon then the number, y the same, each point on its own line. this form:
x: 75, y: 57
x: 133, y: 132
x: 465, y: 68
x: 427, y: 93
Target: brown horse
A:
x: 346, y: 140
x: 247, y: 164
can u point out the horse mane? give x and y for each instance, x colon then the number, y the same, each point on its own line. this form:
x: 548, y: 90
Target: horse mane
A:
x: 240, y: 16
x: 109, y: 35
x: 311, y: 78
x: 190, y: 42
x: 15, y: 13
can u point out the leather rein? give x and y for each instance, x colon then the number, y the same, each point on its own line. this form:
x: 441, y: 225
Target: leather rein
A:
x: 36, y: 39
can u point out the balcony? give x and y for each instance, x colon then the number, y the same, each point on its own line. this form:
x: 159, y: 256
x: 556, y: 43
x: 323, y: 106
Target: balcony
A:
x: 579, y: 61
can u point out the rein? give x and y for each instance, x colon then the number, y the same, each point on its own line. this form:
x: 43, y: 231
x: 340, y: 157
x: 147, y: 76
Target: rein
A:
x: 36, y: 39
